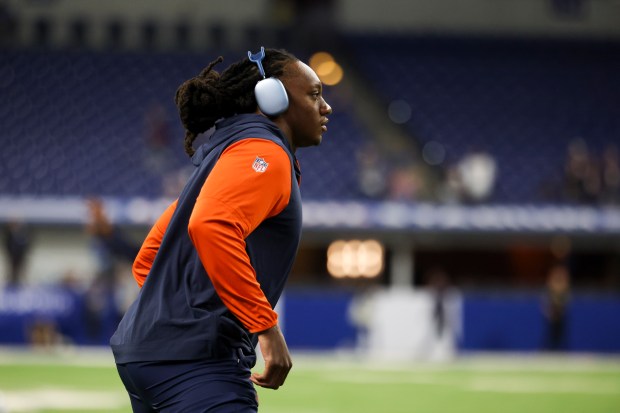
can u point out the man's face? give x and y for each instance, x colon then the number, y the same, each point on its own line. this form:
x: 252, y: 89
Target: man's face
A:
x: 306, y: 118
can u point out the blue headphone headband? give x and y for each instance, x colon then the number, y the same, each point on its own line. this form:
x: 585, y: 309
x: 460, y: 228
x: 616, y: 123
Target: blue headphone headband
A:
x: 270, y: 93
x: 258, y: 59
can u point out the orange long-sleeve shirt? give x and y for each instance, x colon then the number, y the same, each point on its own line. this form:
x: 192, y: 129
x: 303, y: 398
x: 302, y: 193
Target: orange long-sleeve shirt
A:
x: 240, y: 192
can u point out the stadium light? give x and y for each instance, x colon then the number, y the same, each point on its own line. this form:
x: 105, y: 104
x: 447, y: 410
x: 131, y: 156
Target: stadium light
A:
x: 326, y: 67
x: 355, y: 259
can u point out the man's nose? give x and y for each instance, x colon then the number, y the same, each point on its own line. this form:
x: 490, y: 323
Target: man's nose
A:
x: 326, y: 108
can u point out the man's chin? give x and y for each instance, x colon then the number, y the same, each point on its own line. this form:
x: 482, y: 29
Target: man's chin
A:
x: 313, y: 142
x: 316, y: 141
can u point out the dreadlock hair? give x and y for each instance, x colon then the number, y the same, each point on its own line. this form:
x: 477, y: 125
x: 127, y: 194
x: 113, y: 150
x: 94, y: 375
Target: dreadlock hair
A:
x: 210, y: 96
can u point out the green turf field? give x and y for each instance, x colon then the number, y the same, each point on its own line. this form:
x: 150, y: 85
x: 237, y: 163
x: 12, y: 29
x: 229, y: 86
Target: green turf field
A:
x: 87, y: 382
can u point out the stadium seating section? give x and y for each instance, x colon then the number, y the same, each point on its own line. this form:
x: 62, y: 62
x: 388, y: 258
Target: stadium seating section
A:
x: 77, y: 123
x: 520, y: 100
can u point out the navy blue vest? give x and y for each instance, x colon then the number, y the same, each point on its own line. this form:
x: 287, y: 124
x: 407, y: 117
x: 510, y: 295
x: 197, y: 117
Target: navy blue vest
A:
x: 177, y: 314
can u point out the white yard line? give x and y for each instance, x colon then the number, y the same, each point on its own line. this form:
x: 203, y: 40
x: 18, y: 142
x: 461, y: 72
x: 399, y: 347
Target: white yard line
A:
x: 492, y: 383
x: 476, y: 362
x: 77, y: 356
x: 34, y: 400
x: 515, y: 385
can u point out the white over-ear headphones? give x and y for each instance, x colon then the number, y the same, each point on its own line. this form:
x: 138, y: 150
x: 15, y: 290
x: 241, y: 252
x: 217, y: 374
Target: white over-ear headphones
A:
x: 270, y: 92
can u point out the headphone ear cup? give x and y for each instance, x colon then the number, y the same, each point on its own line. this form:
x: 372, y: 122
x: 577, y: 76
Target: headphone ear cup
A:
x: 271, y: 96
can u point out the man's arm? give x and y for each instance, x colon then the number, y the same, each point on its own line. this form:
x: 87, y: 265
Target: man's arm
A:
x: 234, y: 200
x: 144, y: 260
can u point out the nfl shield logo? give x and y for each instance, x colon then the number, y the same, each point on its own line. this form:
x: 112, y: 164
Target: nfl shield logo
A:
x: 259, y: 164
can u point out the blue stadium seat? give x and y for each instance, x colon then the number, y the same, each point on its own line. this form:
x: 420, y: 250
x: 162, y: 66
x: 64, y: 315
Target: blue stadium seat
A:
x: 73, y: 123
x: 521, y: 100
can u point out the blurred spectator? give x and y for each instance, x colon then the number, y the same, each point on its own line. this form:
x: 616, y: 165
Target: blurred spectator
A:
x: 405, y: 183
x: 360, y: 314
x: 43, y: 334
x: 104, y: 300
x: 471, y: 179
x: 372, y: 172
x: 445, y: 314
x: 438, y: 284
x: 555, y: 307
x: 449, y: 189
x: 582, y: 181
x: 17, y: 243
x: 158, y: 138
x: 610, y: 191
x: 112, y: 242
x: 477, y: 172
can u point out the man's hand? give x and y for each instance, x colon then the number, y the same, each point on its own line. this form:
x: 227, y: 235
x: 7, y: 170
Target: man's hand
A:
x: 277, y: 359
